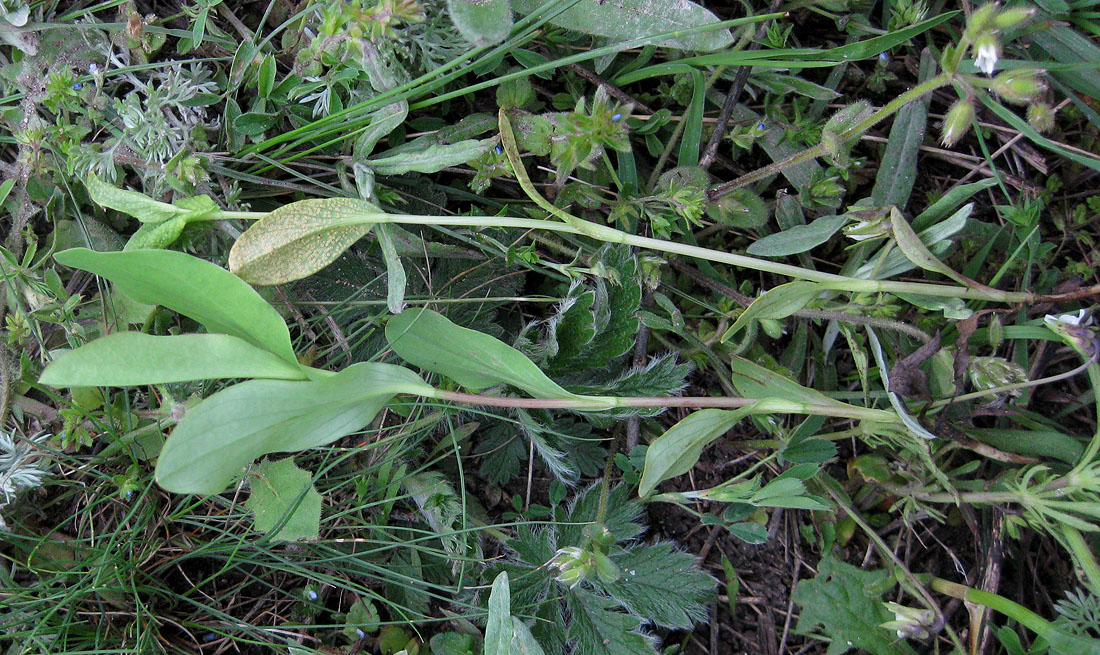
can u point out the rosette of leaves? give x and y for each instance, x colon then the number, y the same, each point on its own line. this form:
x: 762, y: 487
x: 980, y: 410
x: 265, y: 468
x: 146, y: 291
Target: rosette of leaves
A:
x: 656, y: 584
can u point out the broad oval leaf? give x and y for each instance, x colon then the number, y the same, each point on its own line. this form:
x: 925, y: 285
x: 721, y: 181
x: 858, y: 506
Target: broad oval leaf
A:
x: 157, y: 235
x: 132, y: 358
x: 623, y: 20
x: 474, y: 360
x: 193, y: 287
x: 677, y: 450
x: 138, y: 205
x: 299, y: 239
x: 225, y: 432
x: 798, y: 239
x: 481, y: 22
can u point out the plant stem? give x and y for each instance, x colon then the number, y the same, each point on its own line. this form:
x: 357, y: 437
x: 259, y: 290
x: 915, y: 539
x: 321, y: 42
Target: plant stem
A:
x: 1082, y: 554
x: 597, y: 403
x: 1094, y: 446
x: 1021, y: 614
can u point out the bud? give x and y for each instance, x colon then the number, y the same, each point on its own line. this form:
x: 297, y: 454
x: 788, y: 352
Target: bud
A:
x: 982, y: 20
x: 994, y: 372
x: 996, y: 331
x: 987, y: 50
x: 910, y: 622
x: 1019, y: 86
x: 1010, y: 18
x: 957, y: 121
x: 574, y: 565
x: 1040, y: 116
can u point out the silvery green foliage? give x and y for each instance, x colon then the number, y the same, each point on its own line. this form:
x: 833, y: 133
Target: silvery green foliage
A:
x: 21, y: 466
x: 158, y: 123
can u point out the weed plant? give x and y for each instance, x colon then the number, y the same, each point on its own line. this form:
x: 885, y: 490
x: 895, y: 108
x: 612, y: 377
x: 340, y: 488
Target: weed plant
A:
x: 509, y: 279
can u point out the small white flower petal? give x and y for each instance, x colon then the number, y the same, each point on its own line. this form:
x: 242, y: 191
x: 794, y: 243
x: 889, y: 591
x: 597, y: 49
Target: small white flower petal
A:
x: 986, y: 60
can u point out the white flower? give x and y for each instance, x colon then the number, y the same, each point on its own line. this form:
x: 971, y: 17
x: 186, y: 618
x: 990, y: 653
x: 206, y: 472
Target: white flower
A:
x: 986, y: 60
x: 1078, y: 319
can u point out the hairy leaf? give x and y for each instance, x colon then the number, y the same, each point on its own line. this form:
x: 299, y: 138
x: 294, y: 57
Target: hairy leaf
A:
x: 299, y: 239
x: 430, y: 158
x: 498, y: 629
x: 780, y: 302
x: 138, y: 205
x: 621, y: 20
x: 283, y: 495
x: 842, y: 604
x: 193, y: 287
x: 599, y: 629
x: 132, y: 358
x: 798, y: 239
x: 235, y: 426
x: 481, y: 22
x: 662, y: 585
x: 677, y: 450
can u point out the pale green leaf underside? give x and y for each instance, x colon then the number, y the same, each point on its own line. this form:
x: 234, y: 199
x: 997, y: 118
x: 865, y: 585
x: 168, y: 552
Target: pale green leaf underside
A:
x: 132, y: 358
x: 299, y: 239
x: 135, y: 204
x: 215, y: 440
x: 474, y: 360
x: 481, y: 22
x: 623, y: 20
x: 193, y: 287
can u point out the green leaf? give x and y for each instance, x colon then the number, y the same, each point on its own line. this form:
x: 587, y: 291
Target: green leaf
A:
x: 600, y: 630
x: 631, y: 19
x: 193, y: 287
x: 498, y: 628
x: 431, y: 158
x: 156, y: 235
x: 662, y: 584
x: 915, y: 251
x: 898, y: 170
x: 935, y: 238
x: 299, y: 239
x: 225, y: 432
x: 840, y: 605
x: 523, y: 642
x: 800, y: 238
x: 780, y: 302
x: 395, y: 271
x: 135, y: 204
x: 131, y: 358
x: 677, y: 450
x: 383, y: 121
x: 755, y: 381
x: 481, y: 22
x: 1064, y: 642
x: 476, y: 361
x: 283, y: 495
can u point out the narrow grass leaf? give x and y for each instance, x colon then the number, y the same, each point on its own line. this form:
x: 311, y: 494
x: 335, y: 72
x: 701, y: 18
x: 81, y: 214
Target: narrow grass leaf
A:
x: 481, y: 22
x: 133, y: 358
x: 284, y: 502
x: 898, y: 170
x: 225, y: 432
x: 299, y: 239
x: 193, y: 287
x: 476, y: 361
x: 631, y: 19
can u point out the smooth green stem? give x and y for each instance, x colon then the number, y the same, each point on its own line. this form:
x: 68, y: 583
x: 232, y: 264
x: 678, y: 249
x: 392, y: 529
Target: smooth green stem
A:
x: 611, y: 235
x: 694, y: 402
x: 1094, y: 446
x: 1021, y: 614
x: 1082, y: 554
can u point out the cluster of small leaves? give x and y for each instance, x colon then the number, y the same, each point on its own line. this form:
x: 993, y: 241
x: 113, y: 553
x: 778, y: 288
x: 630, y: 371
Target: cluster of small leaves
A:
x: 657, y: 584
x: 22, y: 465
